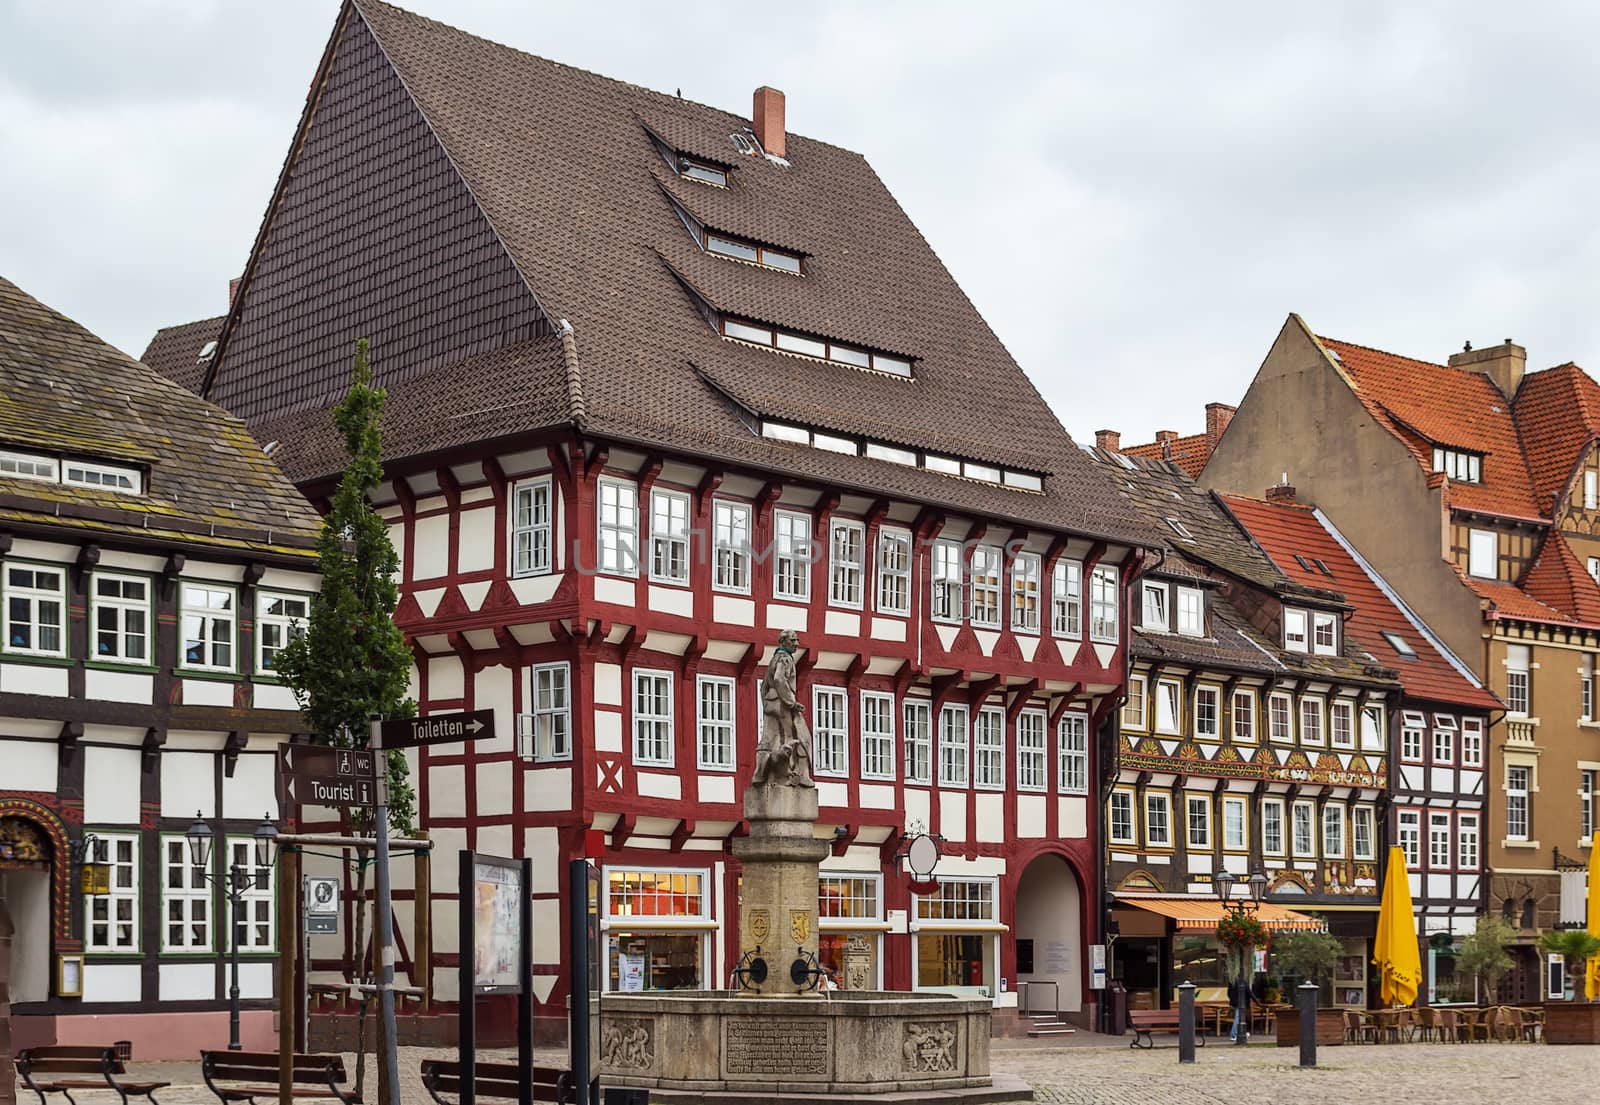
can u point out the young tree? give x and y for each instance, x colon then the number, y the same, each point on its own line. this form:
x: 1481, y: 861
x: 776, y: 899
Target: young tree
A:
x: 1308, y: 956
x: 1483, y: 954
x: 352, y: 662
x: 1574, y: 946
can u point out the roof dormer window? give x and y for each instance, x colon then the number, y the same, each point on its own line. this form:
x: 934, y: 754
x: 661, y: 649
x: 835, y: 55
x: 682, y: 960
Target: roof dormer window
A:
x: 702, y: 171
x: 899, y: 454
x: 752, y: 252
x: 77, y: 473
x: 93, y: 474
x: 27, y: 466
x: 1458, y: 464
x: 819, y: 348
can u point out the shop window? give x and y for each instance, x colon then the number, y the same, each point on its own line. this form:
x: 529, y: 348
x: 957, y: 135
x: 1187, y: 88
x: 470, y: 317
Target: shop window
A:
x: 640, y: 957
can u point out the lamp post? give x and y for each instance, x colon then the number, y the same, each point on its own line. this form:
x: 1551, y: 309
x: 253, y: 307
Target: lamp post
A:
x: 1224, y: 882
x: 235, y: 882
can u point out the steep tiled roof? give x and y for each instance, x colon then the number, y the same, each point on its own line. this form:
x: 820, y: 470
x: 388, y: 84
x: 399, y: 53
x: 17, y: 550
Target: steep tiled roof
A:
x: 1188, y: 453
x: 175, y: 351
x: 1287, y: 530
x: 565, y: 210
x: 1558, y: 415
x: 65, y: 392
x: 1557, y: 579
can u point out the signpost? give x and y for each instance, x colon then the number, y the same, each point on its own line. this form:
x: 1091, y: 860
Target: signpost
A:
x: 438, y: 729
x: 321, y: 904
x: 340, y: 777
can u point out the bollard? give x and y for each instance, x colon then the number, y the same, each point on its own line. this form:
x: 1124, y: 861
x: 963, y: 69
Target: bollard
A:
x: 1307, y: 1000
x: 1186, y: 1023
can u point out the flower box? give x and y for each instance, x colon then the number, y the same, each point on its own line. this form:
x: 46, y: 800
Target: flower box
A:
x: 1330, y: 1027
x: 1572, y: 1022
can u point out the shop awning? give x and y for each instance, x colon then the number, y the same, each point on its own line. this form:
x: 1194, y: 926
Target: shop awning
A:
x: 1204, y: 913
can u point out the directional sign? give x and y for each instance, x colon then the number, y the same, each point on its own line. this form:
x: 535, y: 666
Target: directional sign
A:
x: 322, y: 904
x: 341, y: 763
x: 438, y: 729
x: 324, y: 790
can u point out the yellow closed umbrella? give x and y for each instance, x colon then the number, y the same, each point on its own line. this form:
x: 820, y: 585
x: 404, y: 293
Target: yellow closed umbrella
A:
x: 1395, y: 952
x: 1591, y: 975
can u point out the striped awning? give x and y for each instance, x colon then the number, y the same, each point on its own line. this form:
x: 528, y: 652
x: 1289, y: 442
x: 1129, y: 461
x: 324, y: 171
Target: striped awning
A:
x: 1193, y: 914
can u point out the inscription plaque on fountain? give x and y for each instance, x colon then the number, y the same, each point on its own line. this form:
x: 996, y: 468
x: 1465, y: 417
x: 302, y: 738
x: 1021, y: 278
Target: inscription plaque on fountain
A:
x: 793, y: 1047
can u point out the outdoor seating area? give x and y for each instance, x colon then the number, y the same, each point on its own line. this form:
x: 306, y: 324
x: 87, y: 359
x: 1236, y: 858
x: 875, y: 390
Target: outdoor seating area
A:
x: 1454, y: 1025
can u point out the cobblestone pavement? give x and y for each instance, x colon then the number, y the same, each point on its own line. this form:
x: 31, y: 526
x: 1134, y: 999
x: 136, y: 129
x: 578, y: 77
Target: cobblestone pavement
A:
x: 1410, y: 1074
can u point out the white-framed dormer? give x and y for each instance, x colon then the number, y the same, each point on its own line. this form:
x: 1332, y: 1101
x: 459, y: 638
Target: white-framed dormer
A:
x: 1324, y: 633
x: 1296, y: 630
x: 1190, y: 612
x: 1155, y: 606
x: 1313, y: 721
x: 1207, y: 707
x: 1242, y: 715
x: 1280, y: 717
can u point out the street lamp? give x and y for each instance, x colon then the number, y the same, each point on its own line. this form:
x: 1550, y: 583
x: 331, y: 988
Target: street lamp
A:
x: 1224, y: 882
x: 202, y: 842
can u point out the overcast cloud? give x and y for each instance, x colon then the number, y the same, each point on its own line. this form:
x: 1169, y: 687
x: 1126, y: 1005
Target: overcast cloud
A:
x: 1134, y: 195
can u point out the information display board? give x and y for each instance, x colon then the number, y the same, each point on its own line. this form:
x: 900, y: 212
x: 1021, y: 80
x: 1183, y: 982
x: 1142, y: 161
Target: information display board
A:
x: 497, y: 925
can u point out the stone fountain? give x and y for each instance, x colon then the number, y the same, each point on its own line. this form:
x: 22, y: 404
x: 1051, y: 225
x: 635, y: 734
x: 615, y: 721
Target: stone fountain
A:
x: 779, y: 1034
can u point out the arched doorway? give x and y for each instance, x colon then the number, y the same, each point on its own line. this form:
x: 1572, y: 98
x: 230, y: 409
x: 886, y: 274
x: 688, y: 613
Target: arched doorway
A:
x: 27, y: 855
x: 1049, y: 933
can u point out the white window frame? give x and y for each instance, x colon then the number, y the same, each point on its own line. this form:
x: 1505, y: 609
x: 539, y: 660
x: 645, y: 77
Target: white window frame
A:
x: 1323, y: 621
x: 653, y: 729
x: 81, y: 473
x: 830, y: 731
x: 1519, y: 803
x: 1588, y: 804
x: 1169, y: 698
x: 1025, y: 592
x: 1190, y: 614
x: 1413, y: 736
x: 1344, y: 708
x: 120, y: 607
x: 1121, y: 796
x: 1472, y: 742
x: 916, y: 727
x: 1439, y: 841
x: 715, y: 721
x: 731, y: 529
x: 671, y: 521
x: 846, y: 572
x: 125, y: 881
x: 1032, y: 757
x: 1586, y: 688
x: 1284, y: 700
x: 1136, y: 716
x: 532, y: 546
x: 1157, y: 819
x: 793, y: 555
x: 617, y: 527
x: 1363, y: 818
x: 29, y: 466
x: 1408, y: 835
x: 1296, y: 630
x: 1320, y: 738
x: 36, y: 598
x: 1333, y: 830
x: 1066, y: 599
x: 1483, y: 553
x: 1469, y: 842
x: 1372, y: 719
x: 989, y: 749
x: 284, y: 627
x: 1519, y: 680
x: 985, y: 574
x: 954, y: 737
x: 1155, y: 610
x: 877, y: 735
x: 1240, y: 843
x: 1197, y: 803
x: 1591, y: 489
x: 550, y: 690
x: 1207, y: 697
x: 1310, y: 824
x: 192, y: 895
x: 894, y: 571
x: 1104, y: 587
x: 947, y: 602
x: 1245, y: 733
x: 209, y: 618
x: 1274, y: 806
x: 258, y: 902
x: 1072, y: 753
x: 1444, y: 740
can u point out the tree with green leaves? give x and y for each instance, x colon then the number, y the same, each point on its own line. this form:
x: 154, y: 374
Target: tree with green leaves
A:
x: 1308, y: 956
x: 1574, y: 946
x: 352, y: 662
x: 1482, y: 954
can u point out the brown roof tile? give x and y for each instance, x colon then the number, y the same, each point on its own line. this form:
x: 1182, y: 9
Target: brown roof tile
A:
x: 174, y: 352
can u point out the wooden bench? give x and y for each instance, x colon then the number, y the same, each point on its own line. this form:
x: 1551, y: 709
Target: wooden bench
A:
x: 252, y: 1074
x: 54, y: 1061
x: 497, y: 1080
x: 1146, y: 1021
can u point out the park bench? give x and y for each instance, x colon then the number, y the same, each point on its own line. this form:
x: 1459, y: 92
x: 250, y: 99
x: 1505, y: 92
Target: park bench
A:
x: 1146, y: 1021
x: 496, y: 1080
x: 42, y: 1069
x: 247, y: 1075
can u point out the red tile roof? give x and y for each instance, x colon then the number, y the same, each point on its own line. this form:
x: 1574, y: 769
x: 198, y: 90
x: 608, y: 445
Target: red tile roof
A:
x: 1558, y: 415
x: 1189, y: 453
x: 1557, y: 579
x: 1286, y: 530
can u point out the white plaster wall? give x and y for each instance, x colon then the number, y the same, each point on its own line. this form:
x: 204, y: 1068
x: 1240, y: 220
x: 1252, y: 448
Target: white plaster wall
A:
x: 188, y: 784
x: 953, y: 817
x: 30, y: 765
x: 475, y: 537
x: 195, y: 981
x: 607, y: 729
x: 207, y: 692
x: 33, y: 679
x: 653, y: 784
x: 543, y: 846
x: 715, y: 788
x: 111, y: 982
x: 492, y: 690
x: 608, y: 684
x: 430, y: 558
x: 118, y: 686
x: 111, y: 786
x: 494, y: 788
x: 253, y: 791
x: 549, y: 788
x: 444, y: 678
x: 988, y: 818
x: 255, y: 980
x: 447, y: 791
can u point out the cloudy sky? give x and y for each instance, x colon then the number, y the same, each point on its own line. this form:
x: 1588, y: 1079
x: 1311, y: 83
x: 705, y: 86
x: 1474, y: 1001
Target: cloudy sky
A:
x: 1134, y: 195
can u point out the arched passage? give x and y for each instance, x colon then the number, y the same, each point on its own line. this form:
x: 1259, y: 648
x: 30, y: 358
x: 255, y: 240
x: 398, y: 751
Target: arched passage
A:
x: 1049, y: 935
x: 31, y: 852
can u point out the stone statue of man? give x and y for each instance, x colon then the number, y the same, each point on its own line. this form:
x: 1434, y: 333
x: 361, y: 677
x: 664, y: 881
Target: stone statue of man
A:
x: 784, y: 755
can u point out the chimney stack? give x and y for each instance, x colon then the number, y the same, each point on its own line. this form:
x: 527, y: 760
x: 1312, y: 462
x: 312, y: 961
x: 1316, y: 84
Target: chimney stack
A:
x: 1109, y: 440
x: 233, y: 290
x: 1218, y: 415
x: 1504, y: 364
x: 766, y: 119
x: 1165, y: 438
x: 1282, y: 492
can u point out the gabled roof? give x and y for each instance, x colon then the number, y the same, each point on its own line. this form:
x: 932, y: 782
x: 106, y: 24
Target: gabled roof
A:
x: 1558, y: 415
x: 175, y: 351
x: 550, y: 180
x: 1289, y: 531
x: 66, y: 393
x: 1189, y: 453
x: 1558, y: 580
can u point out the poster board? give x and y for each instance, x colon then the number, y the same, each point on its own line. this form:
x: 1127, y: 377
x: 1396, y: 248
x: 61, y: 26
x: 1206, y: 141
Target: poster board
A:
x: 497, y: 937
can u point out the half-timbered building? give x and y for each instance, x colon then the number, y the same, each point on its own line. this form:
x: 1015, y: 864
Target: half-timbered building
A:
x: 152, y: 561
x: 663, y: 382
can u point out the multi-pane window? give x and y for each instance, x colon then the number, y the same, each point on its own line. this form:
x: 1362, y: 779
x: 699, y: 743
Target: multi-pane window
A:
x: 552, y: 712
x: 1272, y: 827
x: 1072, y: 754
x: 1169, y: 705
x: 846, y: 563
x: 1119, y: 817
x: 1325, y: 634
x: 730, y: 546
x: 86, y: 474
x: 948, y: 575
x: 1303, y: 833
x: 1586, y: 689
x: 1333, y: 831
x: 619, y: 527
x: 856, y: 897
x: 1444, y: 739
x: 1471, y: 742
x: 1517, y: 780
x: 917, y: 728
x: 252, y: 923
x: 714, y: 722
x: 959, y: 900
x: 1467, y: 842
x: 209, y: 616
x: 1153, y: 614
x: 113, y: 917
x: 1244, y: 716
x: 1586, y: 803
x: 669, y: 536
x: 1066, y: 599
x: 1409, y: 834
x: 1103, y: 604
x: 653, y: 893
x: 791, y: 573
x: 1031, y: 756
x: 1458, y: 465
x: 279, y: 620
x: 1134, y: 707
x: 1411, y: 735
x: 1198, y: 809
x: 1517, y: 680
x: 953, y: 746
x: 1439, y: 841
x: 1361, y: 826
x: 35, y: 610
x: 530, y: 527
x: 989, y: 749
x: 1311, y: 721
x: 1341, y: 723
x: 1191, y: 612
x: 122, y: 618
x: 1372, y: 727
x: 1025, y: 593
x: 1157, y: 819
x: 830, y: 730
x: 986, y: 585
x: 894, y: 571
x: 652, y: 718
x: 185, y: 900
x: 1207, y: 707
x: 1235, y: 824
x: 1591, y: 489
x: 1280, y: 718
x: 877, y: 735
x: 1294, y: 630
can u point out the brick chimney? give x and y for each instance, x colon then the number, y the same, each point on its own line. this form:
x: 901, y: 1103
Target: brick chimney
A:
x: 233, y: 289
x: 1165, y: 438
x: 1218, y: 415
x: 1504, y: 364
x: 767, y: 120
x: 1281, y: 492
x: 1109, y: 440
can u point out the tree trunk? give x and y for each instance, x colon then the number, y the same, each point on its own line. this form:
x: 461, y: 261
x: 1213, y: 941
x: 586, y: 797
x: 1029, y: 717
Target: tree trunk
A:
x: 360, y: 975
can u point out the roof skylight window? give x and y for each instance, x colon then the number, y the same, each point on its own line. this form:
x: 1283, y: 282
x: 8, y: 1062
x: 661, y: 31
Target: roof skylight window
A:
x: 1302, y: 561
x: 814, y: 347
x: 702, y: 171
x: 1322, y: 566
x: 754, y: 253
x: 1400, y: 645
x: 899, y: 454
x: 1180, y: 529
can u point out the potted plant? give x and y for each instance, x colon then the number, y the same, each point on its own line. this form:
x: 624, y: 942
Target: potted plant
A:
x: 1572, y: 1021
x: 1482, y: 955
x: 1310, y: 956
